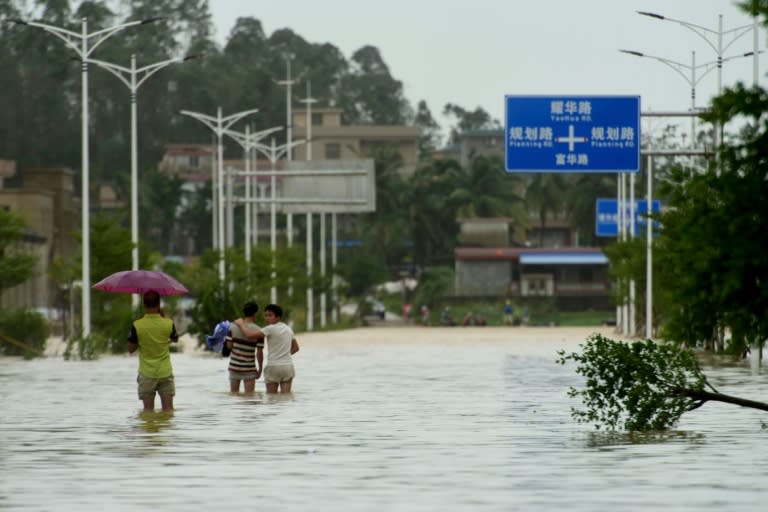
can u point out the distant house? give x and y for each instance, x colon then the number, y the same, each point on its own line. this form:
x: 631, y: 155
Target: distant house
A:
x: 480, y: 143
x: 492, y: 263
x: 575, y: 278
x: 330, y: 140
x: 189, y: 162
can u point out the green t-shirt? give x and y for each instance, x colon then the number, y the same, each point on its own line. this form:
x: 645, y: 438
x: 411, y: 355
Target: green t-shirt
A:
x: 152, y: 333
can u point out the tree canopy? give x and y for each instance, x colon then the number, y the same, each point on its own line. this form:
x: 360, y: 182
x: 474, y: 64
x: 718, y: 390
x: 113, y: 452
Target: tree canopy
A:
x: 640, y: 386
x: 16, y: 264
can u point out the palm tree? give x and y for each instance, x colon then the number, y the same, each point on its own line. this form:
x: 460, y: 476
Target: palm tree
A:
x: 486, y: 190
x: 581, y: 198
x: 544, y: 195
x: 431, y: 216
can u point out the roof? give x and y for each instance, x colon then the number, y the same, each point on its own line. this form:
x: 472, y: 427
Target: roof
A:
x: 484, y: 132
x: 362, y: 131
x: 534, y: 255
x: 564, y: 259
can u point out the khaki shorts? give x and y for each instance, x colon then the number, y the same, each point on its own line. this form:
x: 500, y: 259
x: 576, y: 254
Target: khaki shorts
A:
x: 243, y: 375
x: 277, y: 374
x: 148, y: 387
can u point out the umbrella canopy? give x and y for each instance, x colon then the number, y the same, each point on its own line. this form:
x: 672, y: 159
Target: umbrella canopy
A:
x: 141, y: 281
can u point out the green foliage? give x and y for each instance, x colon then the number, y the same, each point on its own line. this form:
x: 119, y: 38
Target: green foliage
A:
x: 545, y: 195
x: 16, y: 266
x: 581, y: 196
x: 87, y: 348
x: 468, y: 121
x: 434, y: 283
x: 638, y: 386
x: 431, y: 214
x: 111, y: 313
x: 484, y: 189
x: 217, y: 301
x: 714, y: 270
x: 22, y: 333
x: 362, y: 272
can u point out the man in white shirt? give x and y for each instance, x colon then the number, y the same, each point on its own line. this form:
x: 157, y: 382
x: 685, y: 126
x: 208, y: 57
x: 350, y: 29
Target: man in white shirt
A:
x: 281, y: 345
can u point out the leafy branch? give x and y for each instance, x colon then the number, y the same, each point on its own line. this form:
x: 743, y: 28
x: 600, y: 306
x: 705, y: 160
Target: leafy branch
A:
x: 640, y: 386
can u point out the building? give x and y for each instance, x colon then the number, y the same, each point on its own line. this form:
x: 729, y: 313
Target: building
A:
x: 46, y: 202
x: 492, y: 263
x: 330, y: 140
x: 480, y: 143
x: 190, y: 162
x: 575, y: 278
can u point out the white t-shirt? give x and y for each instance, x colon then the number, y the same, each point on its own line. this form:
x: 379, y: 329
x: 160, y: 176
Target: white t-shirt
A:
x: 278, y: 338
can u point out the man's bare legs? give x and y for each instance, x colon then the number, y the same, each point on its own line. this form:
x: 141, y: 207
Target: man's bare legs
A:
x: 285, y: 387
x: 166, y: 401
x: 149, y: 404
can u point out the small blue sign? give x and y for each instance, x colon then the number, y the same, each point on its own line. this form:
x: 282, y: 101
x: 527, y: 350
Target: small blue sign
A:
x: 607, y: 216
x: 572, y: 134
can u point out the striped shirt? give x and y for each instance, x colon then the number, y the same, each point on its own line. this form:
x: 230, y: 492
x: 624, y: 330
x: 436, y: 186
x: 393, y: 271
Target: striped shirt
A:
x: 243, y: 356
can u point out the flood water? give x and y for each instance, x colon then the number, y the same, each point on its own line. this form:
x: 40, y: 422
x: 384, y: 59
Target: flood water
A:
x: 380, y: 419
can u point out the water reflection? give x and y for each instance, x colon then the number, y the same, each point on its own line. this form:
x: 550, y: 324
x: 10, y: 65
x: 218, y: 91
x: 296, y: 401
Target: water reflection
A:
x: 602, y: 439
x: 153, y: 422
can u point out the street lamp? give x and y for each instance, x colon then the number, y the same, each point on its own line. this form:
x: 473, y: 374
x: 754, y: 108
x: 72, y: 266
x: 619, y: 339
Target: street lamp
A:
x: 693, y: 79
x: 248, y: 141
x: 84, y: 44
x: 219, y: 125
x: 707, y: 34
x: 288, y: 83
x: 309, y: 100
x: 133, y: 78
x: 273, y: 152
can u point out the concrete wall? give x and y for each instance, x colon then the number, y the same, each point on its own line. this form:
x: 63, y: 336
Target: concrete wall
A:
x: 482, y: 278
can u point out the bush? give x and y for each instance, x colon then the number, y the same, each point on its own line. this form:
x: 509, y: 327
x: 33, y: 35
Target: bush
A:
x: 22, y: 333
x: 88, y: 348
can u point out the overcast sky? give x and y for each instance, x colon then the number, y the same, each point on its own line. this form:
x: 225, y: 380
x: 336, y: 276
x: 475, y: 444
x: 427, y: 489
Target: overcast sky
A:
x: 473, y: 53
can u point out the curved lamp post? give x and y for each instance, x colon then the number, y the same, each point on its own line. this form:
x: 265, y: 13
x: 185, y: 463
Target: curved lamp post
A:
x: 219, y: 125
x: 248, y: 142
x: 84, y: 43
x: 133, y: 78
x: 693, y: 79
x: 274, y: 152
x: 708, y: 34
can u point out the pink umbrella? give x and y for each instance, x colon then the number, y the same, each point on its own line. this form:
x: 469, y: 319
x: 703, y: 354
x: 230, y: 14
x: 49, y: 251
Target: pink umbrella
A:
x: 141, y: 281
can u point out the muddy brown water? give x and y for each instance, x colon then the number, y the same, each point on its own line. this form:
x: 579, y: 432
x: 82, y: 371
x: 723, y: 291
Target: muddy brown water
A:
x: 407, y: 419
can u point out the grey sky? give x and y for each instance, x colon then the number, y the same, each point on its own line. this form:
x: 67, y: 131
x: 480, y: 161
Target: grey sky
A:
x: 472, y: 53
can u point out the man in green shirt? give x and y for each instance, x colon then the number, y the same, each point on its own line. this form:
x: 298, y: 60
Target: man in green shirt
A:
x: 151, y: 334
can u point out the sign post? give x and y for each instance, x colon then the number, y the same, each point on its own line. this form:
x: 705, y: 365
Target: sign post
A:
x: 607, y: 216
x: 572, y: 134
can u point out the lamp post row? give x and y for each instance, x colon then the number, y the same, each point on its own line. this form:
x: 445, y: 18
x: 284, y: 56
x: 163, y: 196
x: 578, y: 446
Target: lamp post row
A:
x: 84, y: 43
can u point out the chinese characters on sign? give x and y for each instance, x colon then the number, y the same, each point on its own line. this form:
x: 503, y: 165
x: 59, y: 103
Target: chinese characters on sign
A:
x: 573, y: 134
x: 607, y: 216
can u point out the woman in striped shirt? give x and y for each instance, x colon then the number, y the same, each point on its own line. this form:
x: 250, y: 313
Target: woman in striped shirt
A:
x: 247, y: 356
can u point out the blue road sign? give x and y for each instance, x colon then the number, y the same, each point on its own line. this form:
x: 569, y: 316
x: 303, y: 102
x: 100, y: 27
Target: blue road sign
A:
x: 572, y: 133
x: 607, y: 216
